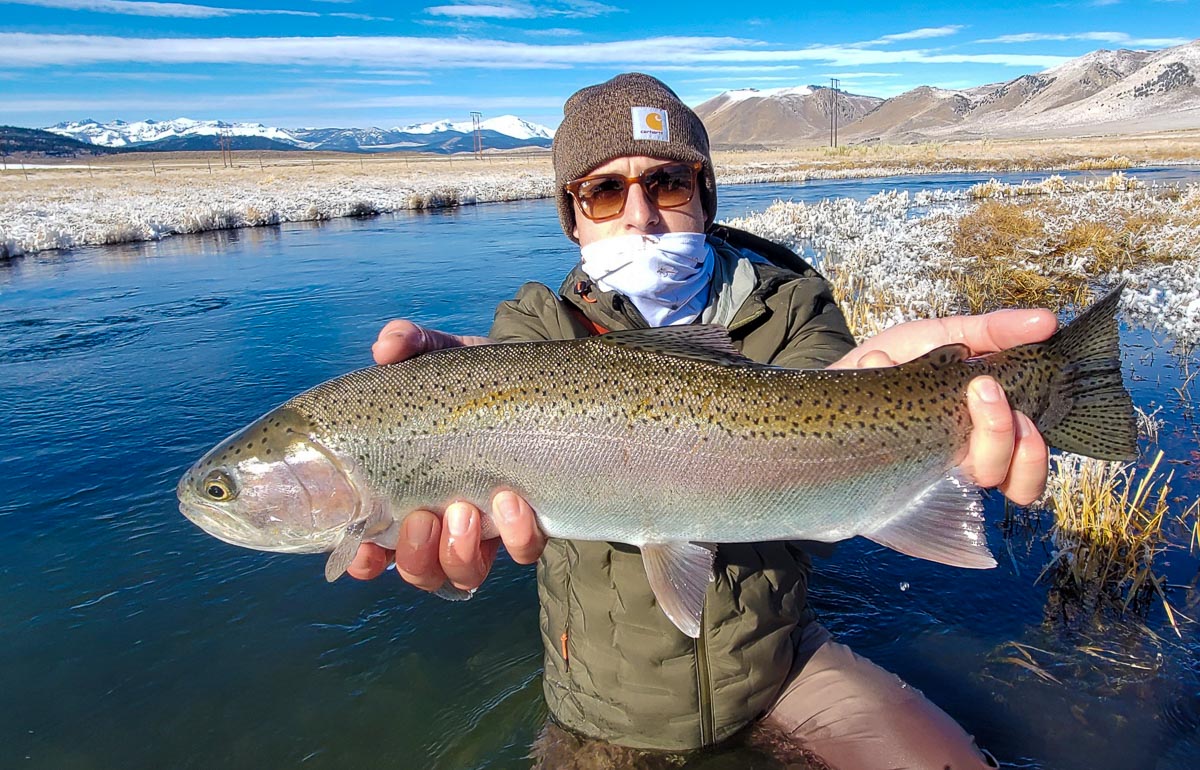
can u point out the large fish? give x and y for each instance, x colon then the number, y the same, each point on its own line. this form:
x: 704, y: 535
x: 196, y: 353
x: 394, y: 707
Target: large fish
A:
x: 666, y: 439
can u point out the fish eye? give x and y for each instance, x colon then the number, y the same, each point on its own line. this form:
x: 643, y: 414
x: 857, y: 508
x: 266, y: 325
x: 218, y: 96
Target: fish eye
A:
x: 218, y: 486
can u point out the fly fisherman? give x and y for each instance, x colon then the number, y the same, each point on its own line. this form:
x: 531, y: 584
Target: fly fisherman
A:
x: 637, y: 192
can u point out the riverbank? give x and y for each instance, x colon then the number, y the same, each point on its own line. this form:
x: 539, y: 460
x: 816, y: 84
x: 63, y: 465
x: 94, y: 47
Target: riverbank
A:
x: 149, y: 196
x: 996, y: 245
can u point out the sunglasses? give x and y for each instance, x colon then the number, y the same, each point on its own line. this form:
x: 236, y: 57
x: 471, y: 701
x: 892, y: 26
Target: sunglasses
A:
x: 668, y: 186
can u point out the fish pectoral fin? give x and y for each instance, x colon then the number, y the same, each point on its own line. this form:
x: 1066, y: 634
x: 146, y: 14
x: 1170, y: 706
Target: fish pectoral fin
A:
x: 679, y: 575
x: 343, y: 553
x: 944, y: 523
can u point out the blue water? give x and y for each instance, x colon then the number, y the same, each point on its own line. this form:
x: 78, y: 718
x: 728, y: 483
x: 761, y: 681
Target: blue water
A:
x: 130, y: 639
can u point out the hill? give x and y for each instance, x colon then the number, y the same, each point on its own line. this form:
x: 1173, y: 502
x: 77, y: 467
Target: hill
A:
x: 32, y: 142
x: 1104, y: 92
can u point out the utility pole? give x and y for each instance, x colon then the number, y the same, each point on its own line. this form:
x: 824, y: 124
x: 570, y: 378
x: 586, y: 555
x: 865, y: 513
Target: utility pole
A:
x: 833, y: 105
x: 225, y: 142
x: 476, y: 125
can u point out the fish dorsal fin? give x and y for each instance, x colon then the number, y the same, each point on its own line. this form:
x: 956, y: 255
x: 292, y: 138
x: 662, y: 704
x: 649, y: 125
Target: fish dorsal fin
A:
x: 343, y: 553
x: 679, y: 575
x: 706, y: 342
x: 946, y: 355
x: 944, y: 523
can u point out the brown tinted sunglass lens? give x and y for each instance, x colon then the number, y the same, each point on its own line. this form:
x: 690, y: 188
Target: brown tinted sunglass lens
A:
x: 670, y: 186
x: 602, y: 197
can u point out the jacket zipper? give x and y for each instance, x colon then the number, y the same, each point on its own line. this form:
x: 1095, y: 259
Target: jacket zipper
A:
x: 704, y: 686
x: 566, y: 634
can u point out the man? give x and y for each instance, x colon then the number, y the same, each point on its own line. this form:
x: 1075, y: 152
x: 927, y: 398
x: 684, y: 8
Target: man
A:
x: 637, y: 192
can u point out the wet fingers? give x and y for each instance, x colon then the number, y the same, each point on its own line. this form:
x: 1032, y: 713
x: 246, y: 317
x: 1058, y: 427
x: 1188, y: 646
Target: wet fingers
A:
x: 1027, y: 472
x: 417, y: 555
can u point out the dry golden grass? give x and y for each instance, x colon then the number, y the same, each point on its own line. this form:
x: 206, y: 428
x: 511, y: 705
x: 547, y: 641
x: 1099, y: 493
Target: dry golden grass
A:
x: 1024, y: 245
x: 1110, y: 527
x: 1115, y: 152
x: 863, y: 302
x: 1000, y: 250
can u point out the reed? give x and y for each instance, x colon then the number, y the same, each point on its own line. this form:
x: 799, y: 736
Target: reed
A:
x: 1110, y: 527
x: 863, y: 302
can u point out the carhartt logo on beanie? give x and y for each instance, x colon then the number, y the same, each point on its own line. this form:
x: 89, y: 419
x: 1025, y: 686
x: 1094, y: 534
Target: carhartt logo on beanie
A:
x: 651, y: 124
x: 632, y: 114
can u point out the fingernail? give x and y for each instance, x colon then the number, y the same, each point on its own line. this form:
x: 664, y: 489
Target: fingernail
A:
x: 507, y: 507
x: 458, y: 519
x: 418, y: 530
x: 988, y: 391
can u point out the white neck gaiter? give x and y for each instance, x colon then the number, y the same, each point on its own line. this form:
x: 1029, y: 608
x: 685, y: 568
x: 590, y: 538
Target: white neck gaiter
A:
x: 665, y: 276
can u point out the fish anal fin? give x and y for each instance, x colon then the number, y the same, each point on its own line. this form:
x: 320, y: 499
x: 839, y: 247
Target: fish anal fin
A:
x: 944, y: 523
x: 451, y: 593
x: 679, y: 575
x: 343, y: 553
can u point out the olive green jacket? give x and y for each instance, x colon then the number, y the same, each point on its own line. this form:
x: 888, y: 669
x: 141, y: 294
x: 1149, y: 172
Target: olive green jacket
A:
x: 615, y: 666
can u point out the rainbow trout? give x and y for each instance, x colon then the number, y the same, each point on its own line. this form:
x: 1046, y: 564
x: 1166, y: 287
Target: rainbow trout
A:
x: 666, y: 439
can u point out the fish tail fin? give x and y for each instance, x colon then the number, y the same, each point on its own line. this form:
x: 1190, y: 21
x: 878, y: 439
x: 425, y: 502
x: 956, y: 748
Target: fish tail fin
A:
x: 1089, y: 412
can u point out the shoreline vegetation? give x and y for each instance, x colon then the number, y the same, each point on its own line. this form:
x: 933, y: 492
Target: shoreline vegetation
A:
x: 890, y: 258
x: 149, y: 196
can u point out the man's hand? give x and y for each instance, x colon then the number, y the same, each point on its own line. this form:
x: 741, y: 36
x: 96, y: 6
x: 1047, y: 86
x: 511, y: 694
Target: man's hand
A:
x: 1006, y: 451
x: 432, y: 550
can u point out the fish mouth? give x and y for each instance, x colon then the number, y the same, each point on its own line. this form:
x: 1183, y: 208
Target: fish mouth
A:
x: 212, y: 519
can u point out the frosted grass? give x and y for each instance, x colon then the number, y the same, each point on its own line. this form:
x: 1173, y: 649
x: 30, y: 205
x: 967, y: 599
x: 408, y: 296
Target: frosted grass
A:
x: 894, y: 246
x: 73, y: 210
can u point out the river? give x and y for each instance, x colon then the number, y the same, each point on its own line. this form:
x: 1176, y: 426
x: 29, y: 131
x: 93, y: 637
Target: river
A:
x: 130, y: 639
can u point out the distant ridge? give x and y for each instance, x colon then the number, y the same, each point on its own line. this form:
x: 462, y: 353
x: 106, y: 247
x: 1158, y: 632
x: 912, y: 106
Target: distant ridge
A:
x: 1103, y: 92
x: 34, y: 142
x: 506, y: 132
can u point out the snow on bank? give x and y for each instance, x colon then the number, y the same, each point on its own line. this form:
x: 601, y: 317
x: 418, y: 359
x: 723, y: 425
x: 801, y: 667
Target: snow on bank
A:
x: 898, y: 246
x: 77, y: 212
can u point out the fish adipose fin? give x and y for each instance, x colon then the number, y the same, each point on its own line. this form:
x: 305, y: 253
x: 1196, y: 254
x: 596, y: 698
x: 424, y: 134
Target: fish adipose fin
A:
x: 707, y: 342
x: 343, y: 553
x: 1089, y: 411
x: 679, y: 575
x: 944, y: 523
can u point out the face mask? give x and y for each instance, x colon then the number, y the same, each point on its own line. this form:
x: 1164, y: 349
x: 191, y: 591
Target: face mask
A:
x: 665, y: 276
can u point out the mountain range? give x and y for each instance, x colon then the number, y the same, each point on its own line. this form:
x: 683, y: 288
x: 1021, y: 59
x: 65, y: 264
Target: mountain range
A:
x: 1103, y: 92
x: 502, y: 133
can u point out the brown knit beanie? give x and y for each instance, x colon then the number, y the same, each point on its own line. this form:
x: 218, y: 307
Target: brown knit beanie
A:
x: 632, y: 114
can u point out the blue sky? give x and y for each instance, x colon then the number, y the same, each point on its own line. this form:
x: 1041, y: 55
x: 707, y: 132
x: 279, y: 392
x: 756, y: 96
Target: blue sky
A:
x: 294, y: 63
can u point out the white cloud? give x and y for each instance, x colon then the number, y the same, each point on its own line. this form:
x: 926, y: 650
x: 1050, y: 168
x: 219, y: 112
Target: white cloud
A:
x: 174, y: 10
x: 554, y: 32
x: 850, y: 75
x: 926, y: 32
x: 1114, y: 38
x: 361, y: 17
x: 482, y: 11
x: 518, y: 9
x: 310, y: 97
x: 24, y: 50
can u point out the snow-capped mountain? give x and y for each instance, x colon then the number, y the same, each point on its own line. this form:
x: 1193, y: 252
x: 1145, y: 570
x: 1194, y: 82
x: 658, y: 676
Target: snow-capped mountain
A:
x: 119, y: 133
x: 500, y: 133
x: 509, y: 125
